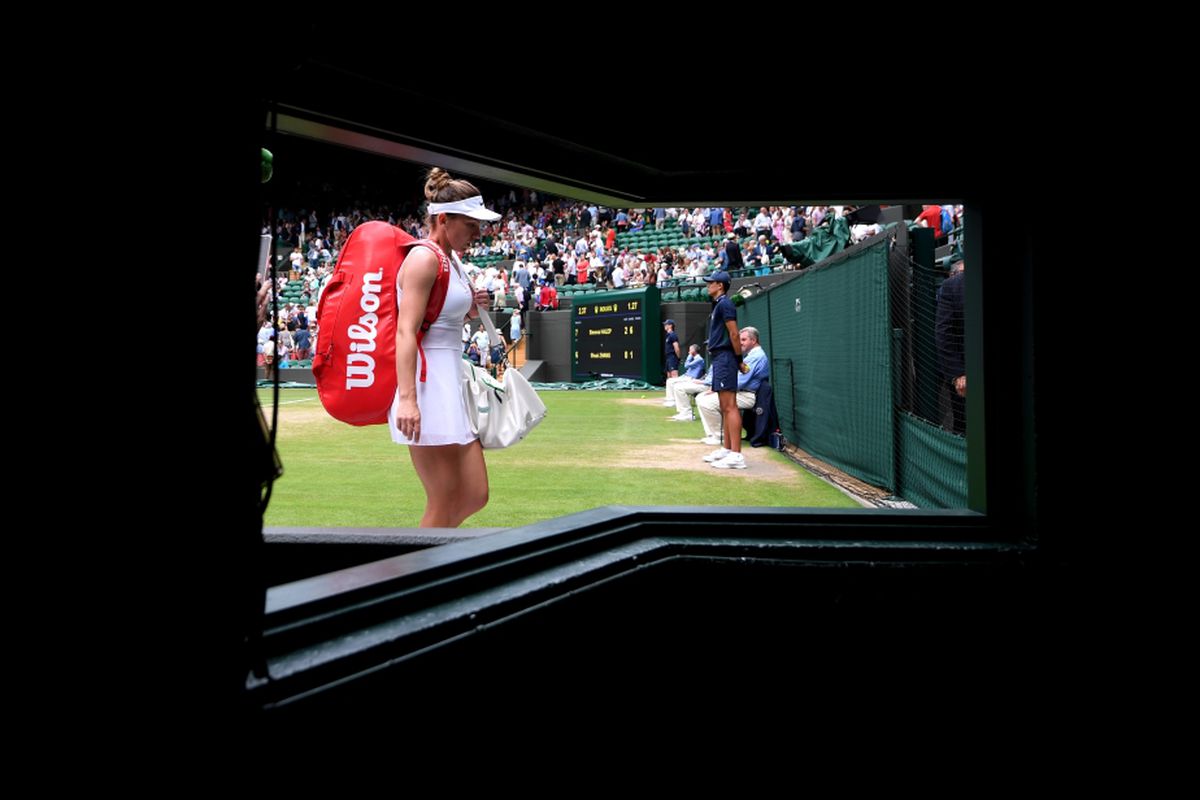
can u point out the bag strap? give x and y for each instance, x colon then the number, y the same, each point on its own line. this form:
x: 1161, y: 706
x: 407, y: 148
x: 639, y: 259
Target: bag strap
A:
x: 489, y: 326
x: 437, y: 297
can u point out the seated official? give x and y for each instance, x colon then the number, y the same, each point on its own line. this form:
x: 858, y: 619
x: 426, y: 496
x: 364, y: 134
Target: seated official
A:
x: 684, y: 391
x: 748, y: 382
x: 693, y: 367
x: 690, y: 383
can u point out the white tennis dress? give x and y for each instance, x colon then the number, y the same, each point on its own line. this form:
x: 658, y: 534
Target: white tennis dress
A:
x: 440, y: 397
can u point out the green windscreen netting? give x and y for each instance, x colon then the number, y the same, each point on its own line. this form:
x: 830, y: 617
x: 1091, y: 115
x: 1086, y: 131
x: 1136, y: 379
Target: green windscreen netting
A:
x: 858, y: 359
x: 828, y: 337
x: 931, y: 451
x: 932, y: 464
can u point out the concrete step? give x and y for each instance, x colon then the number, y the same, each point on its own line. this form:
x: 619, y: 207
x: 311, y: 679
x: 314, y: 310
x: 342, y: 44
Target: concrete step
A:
x: 531, y: 368
x: 293, y: 554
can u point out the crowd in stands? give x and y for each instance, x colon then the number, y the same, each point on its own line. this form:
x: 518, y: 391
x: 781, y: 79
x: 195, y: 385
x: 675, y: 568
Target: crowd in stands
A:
x: 543, y: 243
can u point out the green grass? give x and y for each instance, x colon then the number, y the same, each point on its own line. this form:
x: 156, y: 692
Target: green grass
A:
x: 593, y: 449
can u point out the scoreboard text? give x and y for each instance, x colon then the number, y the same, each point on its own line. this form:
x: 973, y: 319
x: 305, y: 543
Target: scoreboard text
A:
x: 608, y: 338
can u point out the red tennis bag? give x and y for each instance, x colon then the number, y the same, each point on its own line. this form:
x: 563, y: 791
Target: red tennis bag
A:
x: 355, y: 365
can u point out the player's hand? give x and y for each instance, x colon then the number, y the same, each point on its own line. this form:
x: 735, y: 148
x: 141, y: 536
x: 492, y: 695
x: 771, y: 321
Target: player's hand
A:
x: 408, y: 419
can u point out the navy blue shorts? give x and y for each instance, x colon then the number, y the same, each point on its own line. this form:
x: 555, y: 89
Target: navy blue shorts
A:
x: 672, y: 363
x: 725, y: 371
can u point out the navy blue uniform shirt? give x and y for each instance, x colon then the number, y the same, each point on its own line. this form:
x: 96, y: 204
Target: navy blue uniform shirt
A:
x: 669, y: 350
x: 718, y: 334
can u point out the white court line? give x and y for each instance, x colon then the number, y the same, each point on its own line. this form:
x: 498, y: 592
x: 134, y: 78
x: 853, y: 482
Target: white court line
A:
x: 289, y: 402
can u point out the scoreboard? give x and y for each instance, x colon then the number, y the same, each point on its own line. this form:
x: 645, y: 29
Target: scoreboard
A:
x: 617, y: 335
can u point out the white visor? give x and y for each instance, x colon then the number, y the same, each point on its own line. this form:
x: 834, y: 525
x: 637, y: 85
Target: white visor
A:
x: 471, y: 207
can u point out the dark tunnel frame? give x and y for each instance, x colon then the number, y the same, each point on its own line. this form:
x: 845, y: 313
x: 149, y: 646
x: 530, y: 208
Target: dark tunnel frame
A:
x: 328, y: 631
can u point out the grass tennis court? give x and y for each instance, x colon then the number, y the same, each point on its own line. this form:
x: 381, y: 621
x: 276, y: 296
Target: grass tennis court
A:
x: 593, y: 449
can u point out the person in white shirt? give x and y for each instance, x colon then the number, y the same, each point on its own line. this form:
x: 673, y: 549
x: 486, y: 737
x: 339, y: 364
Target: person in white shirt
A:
x: 481, y: 341
x: 498, y: 292
x: 762, y: 224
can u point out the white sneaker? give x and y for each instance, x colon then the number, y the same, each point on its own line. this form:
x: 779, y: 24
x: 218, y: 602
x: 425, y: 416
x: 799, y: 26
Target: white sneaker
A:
x: 668, y: 403
x: 717, y: 454
x: 731, y: 461
x: 683, y: 416
x: 712, y: 440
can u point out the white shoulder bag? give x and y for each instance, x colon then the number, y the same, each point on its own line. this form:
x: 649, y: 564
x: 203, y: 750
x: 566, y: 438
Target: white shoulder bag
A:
x: 500, y: 412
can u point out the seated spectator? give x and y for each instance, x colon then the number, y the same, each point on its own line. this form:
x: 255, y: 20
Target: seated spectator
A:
x: 760, y: 256
x: 618, y: 277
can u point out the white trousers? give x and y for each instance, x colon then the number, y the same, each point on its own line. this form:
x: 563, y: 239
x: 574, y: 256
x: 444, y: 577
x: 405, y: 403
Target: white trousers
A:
x: 710, y: 410
x: 682, y: 389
